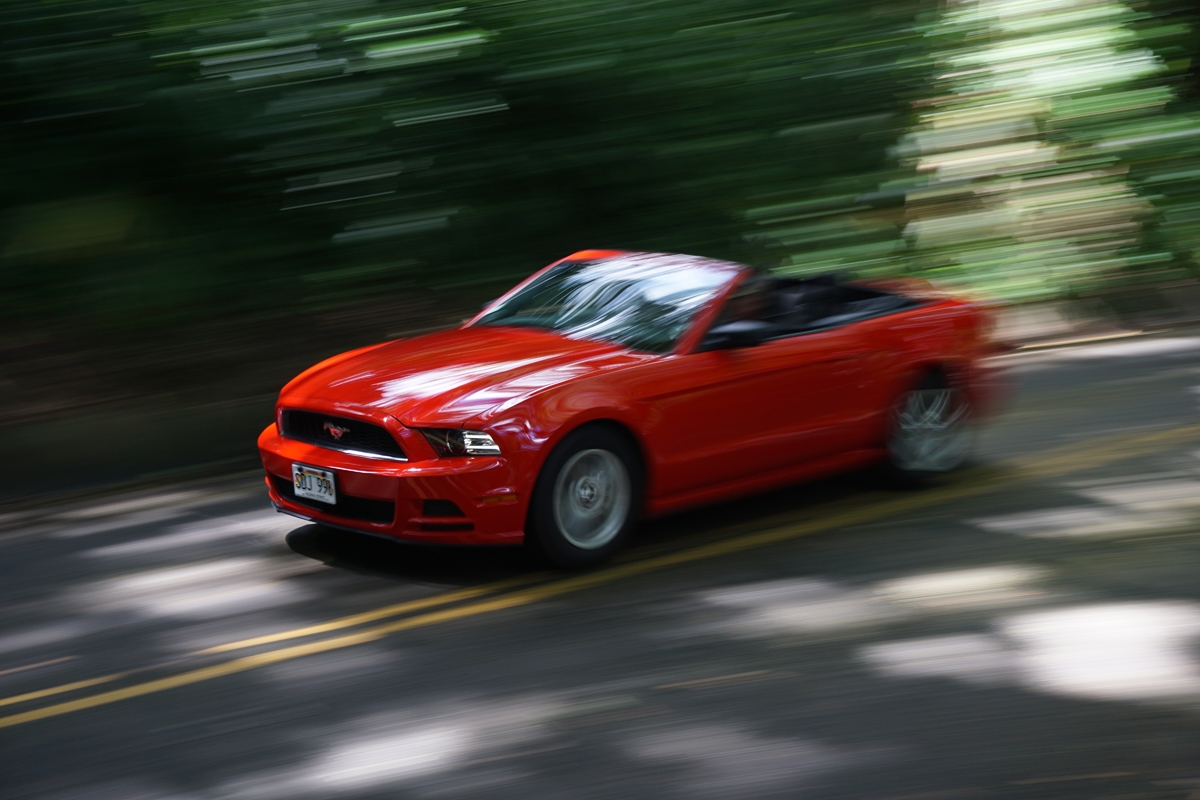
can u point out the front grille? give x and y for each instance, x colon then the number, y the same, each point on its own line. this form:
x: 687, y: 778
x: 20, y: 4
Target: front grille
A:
x: 360, y: 508
x: 356, y: 436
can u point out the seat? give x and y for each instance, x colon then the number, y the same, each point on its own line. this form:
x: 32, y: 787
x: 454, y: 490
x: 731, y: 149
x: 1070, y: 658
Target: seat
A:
x: 801, y: 306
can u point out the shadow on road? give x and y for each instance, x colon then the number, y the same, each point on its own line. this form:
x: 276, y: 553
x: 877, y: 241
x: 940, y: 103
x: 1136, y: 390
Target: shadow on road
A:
x: 379, y: 557
x: 403, y: 561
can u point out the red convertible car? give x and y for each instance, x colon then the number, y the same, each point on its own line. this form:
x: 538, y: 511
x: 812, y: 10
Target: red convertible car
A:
x: 611, y: 386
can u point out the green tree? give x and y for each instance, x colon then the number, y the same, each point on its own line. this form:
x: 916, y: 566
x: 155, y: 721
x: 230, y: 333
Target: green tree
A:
x: 1023, y: 150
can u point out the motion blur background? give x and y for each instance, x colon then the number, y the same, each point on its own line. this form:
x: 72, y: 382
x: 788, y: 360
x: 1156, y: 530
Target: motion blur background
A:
x: 200, y: 198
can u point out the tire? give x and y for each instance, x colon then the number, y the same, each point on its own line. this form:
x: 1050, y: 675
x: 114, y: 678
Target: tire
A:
x: 930, y: 431
x: 586, y: 500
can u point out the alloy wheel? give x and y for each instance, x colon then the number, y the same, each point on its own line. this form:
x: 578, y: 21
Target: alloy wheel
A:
x: 592, y: 498
x: 931, y: 431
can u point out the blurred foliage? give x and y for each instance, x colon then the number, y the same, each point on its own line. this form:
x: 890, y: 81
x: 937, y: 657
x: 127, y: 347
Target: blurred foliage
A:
x: 1038, y: 112
x: 168, y: 160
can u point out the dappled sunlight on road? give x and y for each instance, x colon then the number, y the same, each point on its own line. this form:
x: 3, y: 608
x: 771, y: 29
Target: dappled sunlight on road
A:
x: 1112, y: 651
x: 1132, y: 506
x: 254, y: 525
x: 823, y: 607
x: 440, y: 746
x: 721, y: 761
x: 840, y: 640
x: 1179, y: 345
x: 202, y: 590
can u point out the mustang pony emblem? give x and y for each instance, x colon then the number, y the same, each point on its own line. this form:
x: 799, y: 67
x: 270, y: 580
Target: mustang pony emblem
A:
x: 335, y: 431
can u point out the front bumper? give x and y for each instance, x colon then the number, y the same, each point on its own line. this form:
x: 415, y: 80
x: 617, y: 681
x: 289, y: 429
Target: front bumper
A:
x: 484, y: 488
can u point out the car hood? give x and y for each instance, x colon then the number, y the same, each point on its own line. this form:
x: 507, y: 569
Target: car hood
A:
x: 455, y: 376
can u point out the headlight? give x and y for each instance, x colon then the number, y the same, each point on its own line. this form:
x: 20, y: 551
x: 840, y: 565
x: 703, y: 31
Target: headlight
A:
x: 455, y: 442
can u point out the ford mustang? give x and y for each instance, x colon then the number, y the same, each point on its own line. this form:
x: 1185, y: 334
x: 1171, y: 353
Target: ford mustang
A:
x: 614, y: 386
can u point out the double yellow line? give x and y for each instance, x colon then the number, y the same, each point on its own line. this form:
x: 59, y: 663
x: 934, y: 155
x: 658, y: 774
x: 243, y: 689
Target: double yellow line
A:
x: 508, y: 593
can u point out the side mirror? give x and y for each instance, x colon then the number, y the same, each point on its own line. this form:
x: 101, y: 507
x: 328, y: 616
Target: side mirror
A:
x: 739, y: 333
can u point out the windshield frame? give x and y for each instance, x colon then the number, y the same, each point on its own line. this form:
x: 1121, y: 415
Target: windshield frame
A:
x: 683, y: 342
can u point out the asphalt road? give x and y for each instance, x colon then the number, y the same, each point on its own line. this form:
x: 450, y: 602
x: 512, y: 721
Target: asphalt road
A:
x: 1030, y: 628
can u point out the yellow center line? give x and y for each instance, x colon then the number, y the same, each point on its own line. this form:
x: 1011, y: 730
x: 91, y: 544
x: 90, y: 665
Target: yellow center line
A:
x: 66, y: 687
x: 1060, y: 461
x: 336, y: 624
x: 195, y: 676
x: 379, y: 613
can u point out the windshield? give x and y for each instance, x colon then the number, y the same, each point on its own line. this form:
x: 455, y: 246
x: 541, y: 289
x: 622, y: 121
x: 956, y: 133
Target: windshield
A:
x: 640, y: 301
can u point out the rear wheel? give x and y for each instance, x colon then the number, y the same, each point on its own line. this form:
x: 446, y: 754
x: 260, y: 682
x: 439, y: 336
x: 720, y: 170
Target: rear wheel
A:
x: 586, y: 500
x: 931, y: 431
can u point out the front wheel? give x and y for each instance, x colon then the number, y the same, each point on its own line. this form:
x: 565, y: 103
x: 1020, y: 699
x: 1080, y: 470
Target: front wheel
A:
x: 585, y: 503
x: 931, y: 430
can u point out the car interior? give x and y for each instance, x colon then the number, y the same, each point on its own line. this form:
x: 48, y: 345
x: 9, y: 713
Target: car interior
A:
x: 803, y: 305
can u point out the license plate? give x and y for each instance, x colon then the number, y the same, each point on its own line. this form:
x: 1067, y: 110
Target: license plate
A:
x: 313, y: 483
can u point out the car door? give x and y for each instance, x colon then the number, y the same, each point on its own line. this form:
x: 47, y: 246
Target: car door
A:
x: 725, y: 415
